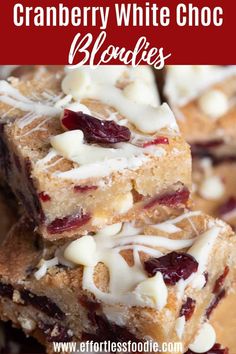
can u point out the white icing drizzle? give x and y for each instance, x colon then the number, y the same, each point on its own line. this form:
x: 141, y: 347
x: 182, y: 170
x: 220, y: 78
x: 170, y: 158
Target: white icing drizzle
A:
x: 169, y: 225
x: 11, y: 96
x: 38, y: 127
x: 46, y: 159
x: 100, y: 84
x: 44, y: 266
x: 185, y: 82
x: 146, y: 118
x: 127, y: 284
x: 98, y: 161
x: 71, y: 145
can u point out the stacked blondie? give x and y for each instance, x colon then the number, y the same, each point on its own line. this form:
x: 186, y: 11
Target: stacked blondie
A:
x: 107, y: 247
x: 203, y: 98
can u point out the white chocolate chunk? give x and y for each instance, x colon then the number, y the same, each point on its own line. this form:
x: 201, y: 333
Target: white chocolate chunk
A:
x: 212, y: 188
x: 69, y: 143
x: 26, y: 323
x: 214, y: 103
x: 205, y: 339
x: 76, y: 83
x: 202, y: 247
x: 138, y: 91
x: 78, y: 107
x: 123, y: 203
x: 155, y: 289
x: 179, y: 326
x: 143, y: 72
x: 110, y: 230
x: 82, y: 251
x: 199, y: 281
x: 186, y: 82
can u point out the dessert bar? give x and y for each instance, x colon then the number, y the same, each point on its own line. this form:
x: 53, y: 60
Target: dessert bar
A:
x: 203, y: 99
x: 87, y: 148
x: 158, y: 281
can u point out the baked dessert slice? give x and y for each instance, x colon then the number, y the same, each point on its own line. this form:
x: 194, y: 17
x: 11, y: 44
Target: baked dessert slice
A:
x: 91, y: 147
x: 158, y: 281
x: 214, y: 189
x: 203, y: 99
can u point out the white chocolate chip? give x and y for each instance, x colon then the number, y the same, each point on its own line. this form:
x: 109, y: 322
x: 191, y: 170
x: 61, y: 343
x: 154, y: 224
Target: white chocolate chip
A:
x: 214, y: 103
x: 76, y: 83
x: 205, y: 339
x: 155, y: 289
x: 199, y: 281
x: 203, y: 246
x: 82, y: 251
x: 69, y: 143
x: 212, y: 188
x: 110, y: 230
x: 143, y: 72
x: 179, y: 326
x: 139, y: 92
x: 123, y: 203
x: 26, y: 323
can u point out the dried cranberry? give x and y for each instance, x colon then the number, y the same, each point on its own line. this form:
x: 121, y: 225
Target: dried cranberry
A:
x: 220, y: 281
x: 42, y: 303
x: 6, y: 290
x: 55, y: 332
x: 216, y: 349
x: 68, y: 223
x: 94, y: 129
x: 44, y: 197
x: 84, y: 189
x: 206, y: 275
x: 215, y: 302
x: 159, y: 140
x: 171, y: 199
x: 188, y: 308
x: 107, y: 331
x: 173, y: 266
x: 227, y: 207
x: 91, y: 306
x: 208, y: 144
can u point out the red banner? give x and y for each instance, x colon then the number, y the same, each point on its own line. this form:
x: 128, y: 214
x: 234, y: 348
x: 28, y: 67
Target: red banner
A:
x: 107, y: 32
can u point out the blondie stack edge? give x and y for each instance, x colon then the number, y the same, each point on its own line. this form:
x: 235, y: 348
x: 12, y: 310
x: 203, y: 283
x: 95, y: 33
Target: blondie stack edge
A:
x: 158, y: 281
x: 203, y: 99
x: 214, y: 189
x: 89, y: 148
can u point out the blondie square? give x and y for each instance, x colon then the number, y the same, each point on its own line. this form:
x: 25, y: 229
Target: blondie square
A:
x: 203, y: 99
x: 87, y: 148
